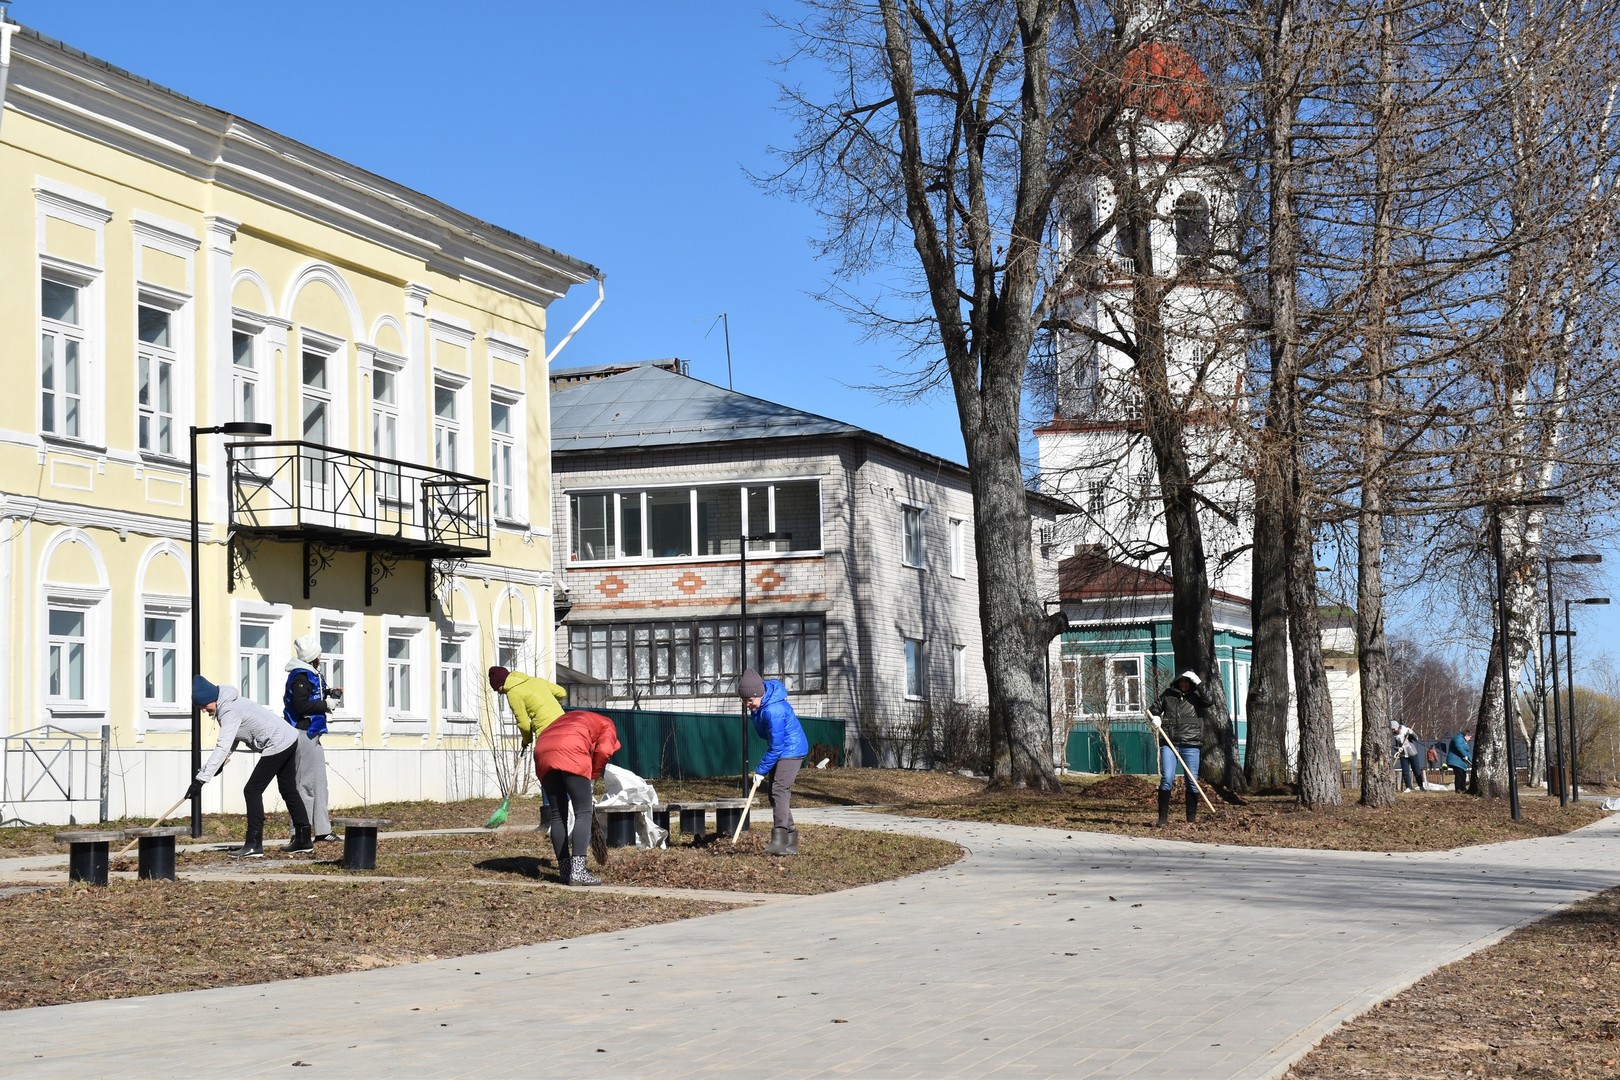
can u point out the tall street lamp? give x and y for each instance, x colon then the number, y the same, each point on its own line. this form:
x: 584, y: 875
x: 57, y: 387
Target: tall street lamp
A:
x: 1569, y: 670
x: 1502, y: 632
x: 1585, y: 558
x: 742, y: 633
x: 236, y: 427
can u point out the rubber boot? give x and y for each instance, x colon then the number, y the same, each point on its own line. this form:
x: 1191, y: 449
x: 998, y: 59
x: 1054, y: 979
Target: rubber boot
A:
x: 578, y: 875
x: 252, y: 845
x: 779, y: 841
x: 1164, y: 808
x: 792, y: 842
x: 1192, y: 803
x: 564, y: 862
x: 301, y: 840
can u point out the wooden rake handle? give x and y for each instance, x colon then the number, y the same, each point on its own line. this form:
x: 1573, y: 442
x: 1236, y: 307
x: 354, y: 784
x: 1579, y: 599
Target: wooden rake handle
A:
x: 1191, y: 779
x: 743, y: 820
x: 164, y: 817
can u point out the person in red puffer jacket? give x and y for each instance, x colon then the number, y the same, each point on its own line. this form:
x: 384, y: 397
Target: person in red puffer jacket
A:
x: 569, y: 753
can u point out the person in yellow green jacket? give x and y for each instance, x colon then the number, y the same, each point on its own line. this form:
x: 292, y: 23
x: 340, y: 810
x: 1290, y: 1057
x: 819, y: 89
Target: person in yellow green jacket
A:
x: 535, y: 702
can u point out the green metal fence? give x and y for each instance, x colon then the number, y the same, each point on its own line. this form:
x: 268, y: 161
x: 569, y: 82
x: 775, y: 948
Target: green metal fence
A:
x: 681, y: 745
x: 1133, y: 743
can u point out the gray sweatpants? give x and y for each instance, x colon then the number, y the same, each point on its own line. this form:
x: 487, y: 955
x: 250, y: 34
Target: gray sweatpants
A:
x: 312, y: 783
x: 780, y: 779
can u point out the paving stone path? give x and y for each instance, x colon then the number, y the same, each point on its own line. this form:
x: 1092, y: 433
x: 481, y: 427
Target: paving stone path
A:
x: 1042, y: 953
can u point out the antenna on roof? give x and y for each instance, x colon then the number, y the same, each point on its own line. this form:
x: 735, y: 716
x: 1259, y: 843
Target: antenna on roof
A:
x: 725, y: 321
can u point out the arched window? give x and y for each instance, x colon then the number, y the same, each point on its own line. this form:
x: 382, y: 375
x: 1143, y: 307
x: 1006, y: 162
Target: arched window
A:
x: 1193, y: 239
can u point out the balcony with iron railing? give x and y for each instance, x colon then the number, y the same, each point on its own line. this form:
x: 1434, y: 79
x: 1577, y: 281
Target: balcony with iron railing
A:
x: 331, y: 500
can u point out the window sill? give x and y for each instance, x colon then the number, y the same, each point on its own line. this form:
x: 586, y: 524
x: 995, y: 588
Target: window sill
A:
x: 69, y: 445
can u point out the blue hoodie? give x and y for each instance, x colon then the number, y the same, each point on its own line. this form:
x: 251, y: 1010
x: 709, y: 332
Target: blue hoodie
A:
x: 776, y: 722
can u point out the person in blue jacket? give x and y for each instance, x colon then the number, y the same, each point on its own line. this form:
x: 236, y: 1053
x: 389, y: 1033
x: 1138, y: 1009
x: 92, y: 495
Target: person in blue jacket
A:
x: 1460, y: 756
x: 777, y: 723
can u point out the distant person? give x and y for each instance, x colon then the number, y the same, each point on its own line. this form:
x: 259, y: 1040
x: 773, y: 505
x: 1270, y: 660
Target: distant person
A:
x: 267, y: 734
x: 776, y: 722
x: 569, y: 754
x: 1180, y: 724
x: 305, y: 705
x: 1460, y: 757
x: 1409, y: 751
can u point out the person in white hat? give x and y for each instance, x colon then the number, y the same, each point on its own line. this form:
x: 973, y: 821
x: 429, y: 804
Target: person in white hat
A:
x: 305, y: 706
x: 1180, y: 723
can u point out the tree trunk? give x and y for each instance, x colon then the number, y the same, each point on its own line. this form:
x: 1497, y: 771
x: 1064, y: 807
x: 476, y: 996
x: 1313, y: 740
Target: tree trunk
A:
x: 1267, y: 761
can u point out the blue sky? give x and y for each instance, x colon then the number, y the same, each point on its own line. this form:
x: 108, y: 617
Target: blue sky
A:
x: 618, y: 134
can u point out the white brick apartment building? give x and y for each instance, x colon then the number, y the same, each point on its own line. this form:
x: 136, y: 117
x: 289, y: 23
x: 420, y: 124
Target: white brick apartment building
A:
x: 865, y: 604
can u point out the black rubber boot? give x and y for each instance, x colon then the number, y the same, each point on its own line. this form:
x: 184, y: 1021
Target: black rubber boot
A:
x: 1164, y: 808
x: 779, y: 840
x: 301, y: 840
x: 792, y: 842
x: 1192, y: 803
x: 564, y: 863
x: 252, y: 845
x: 578, y: 875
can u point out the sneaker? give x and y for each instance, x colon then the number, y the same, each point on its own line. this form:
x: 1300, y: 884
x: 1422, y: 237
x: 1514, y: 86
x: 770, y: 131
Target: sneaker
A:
x: 328, y: 838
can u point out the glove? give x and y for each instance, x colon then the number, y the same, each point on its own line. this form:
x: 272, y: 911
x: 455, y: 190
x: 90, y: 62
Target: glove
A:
x: 1157, y: 723
x: 194, y: 790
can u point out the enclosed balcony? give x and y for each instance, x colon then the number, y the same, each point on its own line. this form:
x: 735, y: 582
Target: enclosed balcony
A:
x: 333, y: 500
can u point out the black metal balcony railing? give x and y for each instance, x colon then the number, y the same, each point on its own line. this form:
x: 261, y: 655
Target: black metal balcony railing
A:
x: 351, y: 501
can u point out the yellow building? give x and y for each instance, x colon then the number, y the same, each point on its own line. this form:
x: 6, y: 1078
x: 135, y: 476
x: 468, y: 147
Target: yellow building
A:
x: 168, y: 267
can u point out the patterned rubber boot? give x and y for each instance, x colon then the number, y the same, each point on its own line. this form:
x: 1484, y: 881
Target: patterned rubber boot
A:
x: 1164, y: 808
x: 578, y: 875
x: 252, y: 845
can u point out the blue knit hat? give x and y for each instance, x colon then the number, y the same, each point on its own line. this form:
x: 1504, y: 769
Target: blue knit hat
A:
x: 203, y: 692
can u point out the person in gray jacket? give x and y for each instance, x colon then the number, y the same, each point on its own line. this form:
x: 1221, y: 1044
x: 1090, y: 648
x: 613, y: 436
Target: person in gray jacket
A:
x: 262, y: 731
x: 1180, y: 724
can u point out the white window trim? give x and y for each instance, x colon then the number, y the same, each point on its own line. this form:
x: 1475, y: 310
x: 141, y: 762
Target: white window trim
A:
x: 758, y: 550
x: 256, y: 375
x: 957, y: 543
x: 465, y: 721
x: 180, y: 349
x: 275, y: 618
x: 921, y: 561
x: 959, y: 673
x: 158, y: 717
x: 1117, y: 708
x: 423, y: 690
x: 91, y: 337
x: 517, y: 439
x: 921, y: 668
x: 345, y: 717
x: 88, y: 713
x: 462, y: 427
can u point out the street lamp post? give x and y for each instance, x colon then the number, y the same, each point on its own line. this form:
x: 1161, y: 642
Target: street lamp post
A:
x: 1569, y: 670
x: 1502, y: 634
x: 742, y: 632
x: 233, y: 428
x: 1585, y: 558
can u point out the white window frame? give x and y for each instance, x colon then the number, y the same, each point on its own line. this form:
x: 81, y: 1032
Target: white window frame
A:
x: 390, y: 489
x: 87, y: 282
x: 449, y: 433
x: 247, y: 380
x: 958, y: 673
x: 1123, y: 705
x: 465, y: 711
x: 916, y: 668
x: 408, y: 716
x: 343, y: 717
x: 244, y: 655
x: 512, y: 653
x: 614, y: 530
x: 163, y: 715
x: 957, y: 541
x: 508, y: 445
x: 176, y: 356
x: 92, y: 659
x: 913, y: 543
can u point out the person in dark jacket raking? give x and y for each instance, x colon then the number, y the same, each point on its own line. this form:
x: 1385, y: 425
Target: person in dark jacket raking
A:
x: 305, y: 706
x: 262, y: 731
x: 1180, y: 723
x: 775, y: 721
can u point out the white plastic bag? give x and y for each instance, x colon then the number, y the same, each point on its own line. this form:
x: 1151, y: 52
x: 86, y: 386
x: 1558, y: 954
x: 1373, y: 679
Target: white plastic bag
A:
x: 627, y: 790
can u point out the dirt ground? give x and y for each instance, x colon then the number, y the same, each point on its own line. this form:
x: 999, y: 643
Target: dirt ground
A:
x: 1537, y: 1005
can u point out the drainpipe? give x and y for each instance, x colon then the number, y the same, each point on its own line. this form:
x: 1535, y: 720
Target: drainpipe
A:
x: 7, y: 28
x: 601, y: 292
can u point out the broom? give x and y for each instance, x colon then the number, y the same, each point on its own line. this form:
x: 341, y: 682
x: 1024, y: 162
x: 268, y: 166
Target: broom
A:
x: 498, y: 818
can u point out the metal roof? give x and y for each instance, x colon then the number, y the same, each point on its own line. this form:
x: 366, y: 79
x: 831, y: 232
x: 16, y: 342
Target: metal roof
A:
x: 648, y: 406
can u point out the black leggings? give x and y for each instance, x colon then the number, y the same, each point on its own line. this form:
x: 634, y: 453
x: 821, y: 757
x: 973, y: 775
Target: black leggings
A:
x: 569, y: 789
x: 284, y: 767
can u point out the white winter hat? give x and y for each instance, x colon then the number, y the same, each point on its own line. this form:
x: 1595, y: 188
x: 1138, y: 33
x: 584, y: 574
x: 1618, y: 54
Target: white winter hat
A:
x: 1394, y: 725
x: 308, y: 648
x: 1191, y: 677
